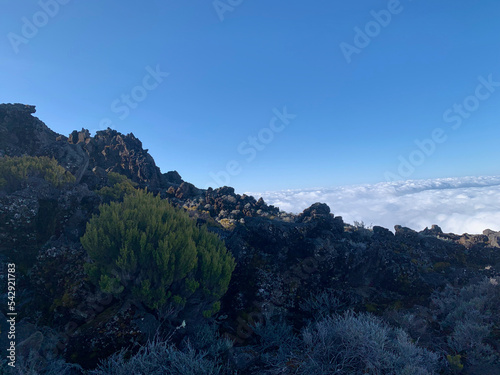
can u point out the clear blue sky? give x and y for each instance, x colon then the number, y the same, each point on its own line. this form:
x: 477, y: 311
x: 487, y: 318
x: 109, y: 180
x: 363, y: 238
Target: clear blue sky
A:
x: 229, y: 71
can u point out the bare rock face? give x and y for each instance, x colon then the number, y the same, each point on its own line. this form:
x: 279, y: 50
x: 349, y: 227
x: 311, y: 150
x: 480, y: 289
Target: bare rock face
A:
x: 115, y: 152
x: 82, y: 136
x: 382, y: 233
x: 434, y: 231
x: 320, y: 212
x: 172, y: 178
x: 226, y: 204
x: 404, y: 232
x: 20, y: 132
x: 317, y: 210
x: 493, y: 237
x: 187, y: 190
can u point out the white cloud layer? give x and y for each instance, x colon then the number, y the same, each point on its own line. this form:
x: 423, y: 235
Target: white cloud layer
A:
x: 458, y: 205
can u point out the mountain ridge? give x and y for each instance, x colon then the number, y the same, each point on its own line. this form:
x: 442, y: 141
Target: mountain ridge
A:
x: 282, y: 259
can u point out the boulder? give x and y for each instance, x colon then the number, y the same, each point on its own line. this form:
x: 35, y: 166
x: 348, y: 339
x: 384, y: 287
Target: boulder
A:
x: 493, y: 237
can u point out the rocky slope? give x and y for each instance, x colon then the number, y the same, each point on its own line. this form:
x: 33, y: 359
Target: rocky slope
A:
x: 283, y: 261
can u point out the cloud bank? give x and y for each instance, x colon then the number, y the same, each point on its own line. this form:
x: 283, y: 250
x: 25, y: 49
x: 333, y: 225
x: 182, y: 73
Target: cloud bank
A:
x: 458, y: 205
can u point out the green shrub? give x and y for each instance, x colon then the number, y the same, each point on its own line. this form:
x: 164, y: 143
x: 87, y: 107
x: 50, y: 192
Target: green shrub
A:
x: 455, y: 363
x: 15, y: 171
x: 441, y: 266
x: 145, y: 248
x: 118, y: 186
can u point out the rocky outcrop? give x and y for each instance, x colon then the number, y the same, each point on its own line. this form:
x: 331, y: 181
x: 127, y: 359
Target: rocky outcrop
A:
x: 493, y: 237
x: 115, y: 152
x: 82, y: 136
x: 23, y: 134
x: 172, y: 178
x: 186, y: 191
x: 227, y: 205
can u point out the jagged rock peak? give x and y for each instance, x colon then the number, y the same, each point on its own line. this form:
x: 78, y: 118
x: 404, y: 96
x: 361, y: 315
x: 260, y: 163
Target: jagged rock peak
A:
x: 22, y: 133
x: 17, y: 107
x: 494, y: 237
x: 115, y: 152
x: 405, y: 232
x: 434, y: 231
x: 82, y: 136
x: 317, y: 210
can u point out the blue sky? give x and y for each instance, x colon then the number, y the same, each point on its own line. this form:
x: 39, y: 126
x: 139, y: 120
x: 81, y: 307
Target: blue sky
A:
x: 351, y: 120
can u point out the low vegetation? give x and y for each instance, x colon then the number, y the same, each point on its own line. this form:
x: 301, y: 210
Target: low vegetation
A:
x: 15, y: 171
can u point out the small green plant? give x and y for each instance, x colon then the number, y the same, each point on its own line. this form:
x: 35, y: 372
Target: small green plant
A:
x: 215, y: 309
x: 145, y: 248
x: 441, y: 266
x: 455, y: 363
x: 15, y: 171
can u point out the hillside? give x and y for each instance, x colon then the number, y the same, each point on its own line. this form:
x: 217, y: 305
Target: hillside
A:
x: 299, y: 276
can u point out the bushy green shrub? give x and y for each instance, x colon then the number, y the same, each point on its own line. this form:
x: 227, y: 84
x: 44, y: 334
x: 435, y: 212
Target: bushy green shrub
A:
x: 15, y: 171
x: 145, y: 248
x: 118, y: 186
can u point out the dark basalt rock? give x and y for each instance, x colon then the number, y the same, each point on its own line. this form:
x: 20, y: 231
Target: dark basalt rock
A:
x: 20, y: 132
x: 187, y: 190
x: 434, y: 231
x: 82, y: 136
x: 315, y: 211
x: 115, y: 152
x: 493, y: 237
x: 171, y: 178
x: 382, y: 233
x: 320, y: 213
x: 404, y: 232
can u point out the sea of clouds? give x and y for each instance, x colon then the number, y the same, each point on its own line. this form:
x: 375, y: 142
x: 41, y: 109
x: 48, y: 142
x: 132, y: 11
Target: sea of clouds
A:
x: 457, y: 205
